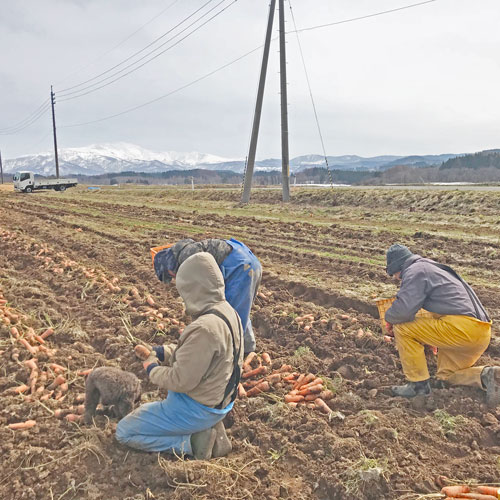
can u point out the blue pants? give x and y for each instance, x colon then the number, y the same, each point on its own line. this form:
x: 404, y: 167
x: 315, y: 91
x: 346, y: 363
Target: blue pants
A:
x: 167, y: 425
x: 242, y: 274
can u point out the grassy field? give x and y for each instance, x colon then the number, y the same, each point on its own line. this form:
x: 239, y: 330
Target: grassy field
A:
x: 69, y: 260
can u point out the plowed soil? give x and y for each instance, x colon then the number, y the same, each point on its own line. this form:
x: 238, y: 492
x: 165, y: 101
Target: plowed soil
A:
x: 69, y: 261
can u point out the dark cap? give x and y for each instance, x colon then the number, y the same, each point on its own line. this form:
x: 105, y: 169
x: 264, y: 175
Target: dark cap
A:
x: 396, y: 257
x: 165, y: 261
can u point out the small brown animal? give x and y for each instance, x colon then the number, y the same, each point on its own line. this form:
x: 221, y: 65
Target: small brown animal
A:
x: 111, y: 386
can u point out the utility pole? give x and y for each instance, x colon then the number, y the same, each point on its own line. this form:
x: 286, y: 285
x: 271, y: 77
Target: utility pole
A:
x: 285, y: 158
x: 1, y: 166
x: 53, y: 101
x: 245, y: 198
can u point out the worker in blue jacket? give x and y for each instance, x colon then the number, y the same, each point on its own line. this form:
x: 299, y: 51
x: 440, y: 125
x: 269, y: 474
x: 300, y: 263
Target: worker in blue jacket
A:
x: 459, y: 327
x: 240, y: 268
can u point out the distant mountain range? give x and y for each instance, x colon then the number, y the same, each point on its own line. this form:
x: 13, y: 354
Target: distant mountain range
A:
x: 124, y: 157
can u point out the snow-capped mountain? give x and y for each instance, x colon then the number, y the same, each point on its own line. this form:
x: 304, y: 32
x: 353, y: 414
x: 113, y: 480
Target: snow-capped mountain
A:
x: 124, y: 157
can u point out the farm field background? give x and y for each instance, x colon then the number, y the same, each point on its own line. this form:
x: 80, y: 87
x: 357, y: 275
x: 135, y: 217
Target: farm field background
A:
x: 69, y: 260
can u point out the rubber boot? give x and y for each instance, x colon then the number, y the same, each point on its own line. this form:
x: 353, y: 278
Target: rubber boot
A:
x: 412, y: 389
x: 202, y: 444
x: 490, y: 378
x: 222, y: 446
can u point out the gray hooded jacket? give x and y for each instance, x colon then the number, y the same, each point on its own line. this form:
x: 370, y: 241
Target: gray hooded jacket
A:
x: 424, y: 285
x: 202, y: 363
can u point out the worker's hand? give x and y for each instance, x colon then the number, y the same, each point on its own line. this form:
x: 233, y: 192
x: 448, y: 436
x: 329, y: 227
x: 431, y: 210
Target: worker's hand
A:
x: 389, y: 328
x: 150, y: 360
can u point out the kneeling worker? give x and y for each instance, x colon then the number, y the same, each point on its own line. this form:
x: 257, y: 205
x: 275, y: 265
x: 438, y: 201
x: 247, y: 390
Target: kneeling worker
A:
x: 201, y: 373
x: 460, y: 328
x: 240, y: 268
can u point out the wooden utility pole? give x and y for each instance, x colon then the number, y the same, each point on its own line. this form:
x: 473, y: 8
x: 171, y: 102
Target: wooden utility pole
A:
x: 53, y: 101
x: 245, y: 198
x: 1, y: 166
x: 285, y: 158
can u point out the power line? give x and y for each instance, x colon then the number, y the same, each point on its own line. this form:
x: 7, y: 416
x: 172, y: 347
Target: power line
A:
x: 92, y: 90
x: 390, y: 11
x: 6, y: 130
x: 60, y: 92
x: 98, y: 58
x: 129, y: 110
x: 33, y: 119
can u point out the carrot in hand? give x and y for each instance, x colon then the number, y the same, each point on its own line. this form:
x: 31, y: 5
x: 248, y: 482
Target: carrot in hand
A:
x: 22, y: 425
x: 142, y: 352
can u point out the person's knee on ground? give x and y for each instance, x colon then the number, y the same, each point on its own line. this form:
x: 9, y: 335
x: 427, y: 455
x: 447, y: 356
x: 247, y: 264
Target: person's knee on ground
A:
x: 202, y: 443
x: 222, y: 445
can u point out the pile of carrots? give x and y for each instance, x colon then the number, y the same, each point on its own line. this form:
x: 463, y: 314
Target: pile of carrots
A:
x: 307, y: 389
x: 464, y: 492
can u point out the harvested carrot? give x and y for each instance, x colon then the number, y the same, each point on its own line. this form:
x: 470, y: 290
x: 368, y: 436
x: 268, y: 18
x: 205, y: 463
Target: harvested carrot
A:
x: 248, y: 360
x: 321, y: 405
x: 57, y: 382
x: 20, y: 389
x: 489, y: 490
x: 326, y: 395
x: 47, y: 333
x: 142, y: 352
x: 22, y: 425
x: 57, y: 368
x: 316, y: 381
x: 293, y: 398
x: 28, y: 346
x: 455, y: 491
x: 31, y: 364
x: 290, y: 377
x: 262, y: 387
x: 64, y: 387
x: 285, y: 368
x: 311, y: 390
x: 274, y: 378
x: 241, y: 391
x: 150, y: 301
x: 300, y: 381
x: 71, y: 417
x: 47, y: 396
x: 293, y: 404
x: 311, y: 397
x: 39, y: 339
x: 478, y: 496
x: 84, y: 373
x: 261, y: 370
x: 15, y: 332
x: 266, y: 359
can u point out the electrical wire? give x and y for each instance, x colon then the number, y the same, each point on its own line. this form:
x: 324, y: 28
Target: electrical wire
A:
x: 32, y: 120
x: 64, y: 91
x: 6, y: 130
x: 146, y: 62
x: 359, y: 18
x: 311, y: 94
x: 119, y: 44
x: 129, y: 110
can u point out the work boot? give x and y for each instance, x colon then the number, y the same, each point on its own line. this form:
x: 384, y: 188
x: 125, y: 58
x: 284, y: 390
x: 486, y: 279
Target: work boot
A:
x: 202, y: 444
x: 222, y: 445
x: 412, y: 389
x: 490, y: 378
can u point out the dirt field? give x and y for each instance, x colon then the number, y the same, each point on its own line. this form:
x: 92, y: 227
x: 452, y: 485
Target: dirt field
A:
x: 68, y: 260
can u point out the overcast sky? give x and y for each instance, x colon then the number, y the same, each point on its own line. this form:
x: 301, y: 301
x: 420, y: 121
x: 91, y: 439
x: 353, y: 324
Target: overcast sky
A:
x: 418, y: 81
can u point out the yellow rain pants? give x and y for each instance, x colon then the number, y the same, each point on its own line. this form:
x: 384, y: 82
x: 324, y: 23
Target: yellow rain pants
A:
x: 460, y: 341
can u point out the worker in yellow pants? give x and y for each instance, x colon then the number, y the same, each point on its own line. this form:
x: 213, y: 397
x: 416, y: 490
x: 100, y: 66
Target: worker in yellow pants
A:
x: 460, y: 341
x: 460, y: 326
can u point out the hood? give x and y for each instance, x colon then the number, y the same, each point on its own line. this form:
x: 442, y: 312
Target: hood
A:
x: 409, y: 261
x: 200, y: 283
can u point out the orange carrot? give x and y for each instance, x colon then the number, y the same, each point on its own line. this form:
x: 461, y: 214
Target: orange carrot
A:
x: 321, y: 405
x: 39, y: 339
x: 306, y: 380
x: 489, y: 490
x: 57, y: 368
x: 150, y: 301
x: 311, y: 397
x: 316, y: 381
x: 248, y: 361
x: 262, y: 387
x: 454, y: 491
x: 142, y: 352
x: 326, y: 395
x: 20, y: 389
x: 31, y: 363
x: 261, y: 370
x: 84, y: 373
x: 478, y: 496
x: 300, y: 381
x: 15, y: 332
x: 80, y: 398
x: 290, y: 377
x: 293, y: 404
x: 64, y: 387
x: 71, y: 417
x: 274, y: 378
x: 311, y: 390
x: 293, y: 399
x: 285, y: 368
x: 57, y: 381
x: 241, y: 391
x: 46, y: 396
x: 47, y: 333
x: 266, y: 358
x: 28, y: 346
x: 22, y: 425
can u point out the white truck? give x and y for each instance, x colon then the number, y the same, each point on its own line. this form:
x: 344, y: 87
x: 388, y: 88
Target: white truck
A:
x: 25, y: 182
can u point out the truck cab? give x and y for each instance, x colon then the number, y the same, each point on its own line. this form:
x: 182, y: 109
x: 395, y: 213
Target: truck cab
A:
x: 24, y: 181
